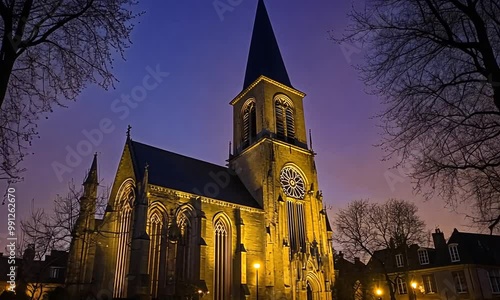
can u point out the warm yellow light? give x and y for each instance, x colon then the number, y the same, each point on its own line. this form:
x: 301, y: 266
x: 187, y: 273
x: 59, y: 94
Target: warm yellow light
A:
x: 200, y: 291
x: 378, y: 292
x: 256, y: 266
x: 413, y: 284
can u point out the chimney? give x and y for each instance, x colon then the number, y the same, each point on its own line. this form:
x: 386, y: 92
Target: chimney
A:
x: 341, y: 255
x: 438, y: 238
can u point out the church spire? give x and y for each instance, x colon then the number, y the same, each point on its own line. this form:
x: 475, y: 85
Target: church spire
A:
x: 264, y: 57
x: 92, y: 175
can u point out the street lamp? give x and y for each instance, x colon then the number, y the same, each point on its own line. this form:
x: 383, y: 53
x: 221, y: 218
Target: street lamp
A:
x: 414, y: 287
x: 257, y: 267
x: 378, y: 291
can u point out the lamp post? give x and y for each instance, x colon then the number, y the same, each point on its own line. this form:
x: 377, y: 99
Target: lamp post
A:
x: 378, y: 292
x: 414, y: 288
x: 257, y: 267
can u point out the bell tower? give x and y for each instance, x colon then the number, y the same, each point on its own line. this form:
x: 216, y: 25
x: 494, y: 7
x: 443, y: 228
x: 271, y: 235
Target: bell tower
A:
x: 273, y: 160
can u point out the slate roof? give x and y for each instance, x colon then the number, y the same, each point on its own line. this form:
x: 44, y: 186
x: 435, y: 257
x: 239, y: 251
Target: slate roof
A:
x: 477, y: 248
x: 190, y: 175
x: 264, y: 57
x: 473, y: 248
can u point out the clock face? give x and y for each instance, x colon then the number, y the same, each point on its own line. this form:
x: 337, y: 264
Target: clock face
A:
x: 292, y: 183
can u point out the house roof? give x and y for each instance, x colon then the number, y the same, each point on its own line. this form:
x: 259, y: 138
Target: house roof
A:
x: 473, y: 248
x: 477, y: 248
x: 264, y: 57
x: 178, y: 172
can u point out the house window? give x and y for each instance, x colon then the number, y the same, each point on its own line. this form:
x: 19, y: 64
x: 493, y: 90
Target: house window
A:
x: 358, y: 291
x: 401, y: 284
x: 494, y: 281
x: 453, y: 248
x: 285, y: 122
x: 423, y: 256
x: 222, y: 276
x: 429, y: 284
x: 460, y: 282
x: 399, y: 260
x: 56, y: 272
x: 249, y: 123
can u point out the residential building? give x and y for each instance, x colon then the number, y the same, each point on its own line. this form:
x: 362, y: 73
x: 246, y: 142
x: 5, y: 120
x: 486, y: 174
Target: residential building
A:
x: 467, y: 266
x: 36, y: 277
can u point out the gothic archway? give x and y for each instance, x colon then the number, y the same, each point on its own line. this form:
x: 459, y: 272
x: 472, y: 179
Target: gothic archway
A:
x: 309, y: 291
x: 313, y: 286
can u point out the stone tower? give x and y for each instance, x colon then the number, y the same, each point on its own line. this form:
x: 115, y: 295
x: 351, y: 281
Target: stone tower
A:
x: 273, y: 160
x: 82, y: 251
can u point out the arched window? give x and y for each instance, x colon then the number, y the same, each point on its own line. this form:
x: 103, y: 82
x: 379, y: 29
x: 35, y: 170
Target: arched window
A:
x: 285, y: 120
x: 184, y: 269
x: 222, y: 276
x: 296, y: 225
x: 157, y: 249
x: 125, y: 200
x: 249, y: 123
x: 293, y: 184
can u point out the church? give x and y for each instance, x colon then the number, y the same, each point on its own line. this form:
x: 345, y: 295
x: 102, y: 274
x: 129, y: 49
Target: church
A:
x: 176, y: 227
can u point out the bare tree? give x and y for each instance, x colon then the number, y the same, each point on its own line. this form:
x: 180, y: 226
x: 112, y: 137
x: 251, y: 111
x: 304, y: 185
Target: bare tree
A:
x: 435, y: 64
x: 44, y: 232
x: 50, y: 51
x: 364, y: 228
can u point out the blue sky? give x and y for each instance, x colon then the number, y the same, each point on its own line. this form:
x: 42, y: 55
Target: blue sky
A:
x: 205, y: 55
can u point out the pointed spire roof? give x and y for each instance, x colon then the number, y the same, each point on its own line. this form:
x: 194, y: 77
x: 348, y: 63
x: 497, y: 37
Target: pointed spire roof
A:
x: 264, y: 57
x: 92, y: 175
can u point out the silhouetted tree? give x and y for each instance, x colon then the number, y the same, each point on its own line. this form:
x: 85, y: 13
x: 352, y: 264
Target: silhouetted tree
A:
x: 44, y: 231
x: 435, y: 64
x: 50, y: 51
x: 363, y: 228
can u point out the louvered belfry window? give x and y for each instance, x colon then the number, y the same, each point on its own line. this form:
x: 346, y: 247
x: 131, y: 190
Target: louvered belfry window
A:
x: 285, y: 122
x: 249, y: 123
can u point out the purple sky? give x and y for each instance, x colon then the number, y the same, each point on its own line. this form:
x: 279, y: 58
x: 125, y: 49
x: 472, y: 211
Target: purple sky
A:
x: 188, y: 112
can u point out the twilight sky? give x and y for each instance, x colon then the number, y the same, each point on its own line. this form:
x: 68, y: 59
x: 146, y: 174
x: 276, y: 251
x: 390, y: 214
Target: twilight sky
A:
x: 205, y: 55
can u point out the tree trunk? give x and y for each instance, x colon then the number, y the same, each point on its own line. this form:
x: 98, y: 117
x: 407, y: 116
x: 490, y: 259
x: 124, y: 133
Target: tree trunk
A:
x: 6, y: 65
x: 391, y: 288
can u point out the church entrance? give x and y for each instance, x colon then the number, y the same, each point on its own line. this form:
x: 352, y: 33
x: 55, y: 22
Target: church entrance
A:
x: 309, y: 292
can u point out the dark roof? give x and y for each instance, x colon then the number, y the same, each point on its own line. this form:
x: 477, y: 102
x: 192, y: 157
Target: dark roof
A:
x: 182, y: 173
x: 477, y: 248
x: 473, y: 248
x: 264, y: 57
